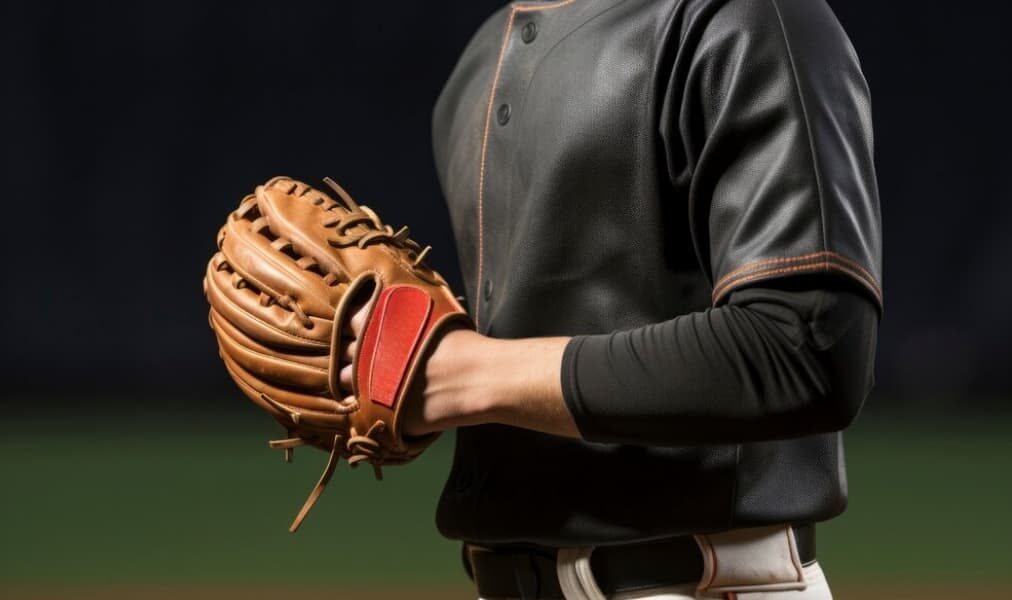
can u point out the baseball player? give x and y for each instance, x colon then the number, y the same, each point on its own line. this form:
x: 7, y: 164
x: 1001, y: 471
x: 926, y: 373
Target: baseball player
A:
x: 668, y: 224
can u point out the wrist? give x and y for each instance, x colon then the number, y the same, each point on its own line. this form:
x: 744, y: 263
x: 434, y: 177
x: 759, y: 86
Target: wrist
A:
x: 515, y: 382
x: 471, y: 379
x: 451, y: 394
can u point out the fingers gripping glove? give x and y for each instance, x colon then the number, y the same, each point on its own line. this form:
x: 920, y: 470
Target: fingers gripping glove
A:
x: 293, y: 266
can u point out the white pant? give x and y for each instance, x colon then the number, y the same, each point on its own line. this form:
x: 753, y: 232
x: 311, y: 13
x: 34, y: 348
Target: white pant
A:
x: 818, y: 589
x: 760, y: 563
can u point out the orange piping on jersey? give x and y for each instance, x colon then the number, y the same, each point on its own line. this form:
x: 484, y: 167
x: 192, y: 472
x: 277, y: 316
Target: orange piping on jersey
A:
x: 484, y: 144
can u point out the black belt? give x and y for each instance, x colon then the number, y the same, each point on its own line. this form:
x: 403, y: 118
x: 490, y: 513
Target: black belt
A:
x: 528, y: 572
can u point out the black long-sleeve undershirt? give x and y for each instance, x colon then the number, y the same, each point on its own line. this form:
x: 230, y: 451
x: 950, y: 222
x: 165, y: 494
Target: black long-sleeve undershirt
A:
x: 772, y: 363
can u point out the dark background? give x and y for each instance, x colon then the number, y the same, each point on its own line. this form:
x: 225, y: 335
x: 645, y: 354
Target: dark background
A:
x: 130, y: 129
x: 130, y: 466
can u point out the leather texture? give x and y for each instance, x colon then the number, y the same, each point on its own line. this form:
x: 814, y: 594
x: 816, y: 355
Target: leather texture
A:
x: 293, y: 266
x: 624, y: 162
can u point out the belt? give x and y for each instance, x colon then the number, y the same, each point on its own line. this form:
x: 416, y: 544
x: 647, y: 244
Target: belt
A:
x: 529, y: 572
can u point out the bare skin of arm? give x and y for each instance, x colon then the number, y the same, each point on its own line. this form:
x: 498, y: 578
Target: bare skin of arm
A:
x: 470, y: 379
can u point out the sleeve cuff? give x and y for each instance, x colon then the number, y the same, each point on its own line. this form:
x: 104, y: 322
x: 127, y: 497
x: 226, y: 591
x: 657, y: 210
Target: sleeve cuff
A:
x: 570, y: 385
x: 583, y: 357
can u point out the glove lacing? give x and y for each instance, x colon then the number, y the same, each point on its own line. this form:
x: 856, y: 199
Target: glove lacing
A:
x: 375, y: 230
x: 359, y: 447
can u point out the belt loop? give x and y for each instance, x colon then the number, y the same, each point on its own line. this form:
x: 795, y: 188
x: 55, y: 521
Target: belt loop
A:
x: 757, y: 559
x: 575, y: 576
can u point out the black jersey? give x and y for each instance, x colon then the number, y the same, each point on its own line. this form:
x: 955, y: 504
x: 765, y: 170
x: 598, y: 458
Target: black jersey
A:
x: 688, y: 188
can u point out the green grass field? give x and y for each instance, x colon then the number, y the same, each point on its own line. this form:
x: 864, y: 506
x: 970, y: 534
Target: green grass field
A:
x: 196, y: 505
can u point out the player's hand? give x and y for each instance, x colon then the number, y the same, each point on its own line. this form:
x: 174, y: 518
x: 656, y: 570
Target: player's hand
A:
x: 435, y: 405
x: 349, y: 345
x: 470, y: 379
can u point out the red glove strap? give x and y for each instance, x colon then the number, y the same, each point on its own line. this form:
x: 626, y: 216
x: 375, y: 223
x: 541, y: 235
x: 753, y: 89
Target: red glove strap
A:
x: 398, y: 324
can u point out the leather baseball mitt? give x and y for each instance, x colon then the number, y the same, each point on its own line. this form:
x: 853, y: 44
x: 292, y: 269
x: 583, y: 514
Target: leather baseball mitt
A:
x: 293, y: 265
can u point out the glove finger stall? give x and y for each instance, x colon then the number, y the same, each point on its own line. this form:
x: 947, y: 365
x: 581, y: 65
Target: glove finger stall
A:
x: 314, y: 412
x: 271, y: 267
x: 271, y: 324
x: 308, y: 219
x: 299, y: 371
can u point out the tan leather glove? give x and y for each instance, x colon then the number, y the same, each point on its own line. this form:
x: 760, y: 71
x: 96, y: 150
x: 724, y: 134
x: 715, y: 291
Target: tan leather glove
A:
x: 293, y: 265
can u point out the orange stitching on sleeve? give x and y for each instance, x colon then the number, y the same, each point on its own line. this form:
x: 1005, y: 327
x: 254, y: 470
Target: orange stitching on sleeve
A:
x: 766, y: 261
x: 854, y: 265
x: 731, y: 278
x: 791, y: 259
x: 825, y: 264
x: 824, y: 253
x: 724, y: 288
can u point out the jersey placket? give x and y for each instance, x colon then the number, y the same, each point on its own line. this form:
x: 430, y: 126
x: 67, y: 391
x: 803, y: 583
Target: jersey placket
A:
x: 530, y: 31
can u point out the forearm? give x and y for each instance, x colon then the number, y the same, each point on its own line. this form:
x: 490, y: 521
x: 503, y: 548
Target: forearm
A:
x: 780, y: 364
x: 524, y: 386
x: 472, y: 379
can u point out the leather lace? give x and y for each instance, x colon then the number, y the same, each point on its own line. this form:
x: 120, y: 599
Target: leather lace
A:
x: 360, y: 447
x: 373, y: 230
x: 356, y: 225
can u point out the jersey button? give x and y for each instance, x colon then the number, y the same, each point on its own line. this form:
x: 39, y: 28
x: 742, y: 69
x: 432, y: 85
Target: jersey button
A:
x: 488, y: 289
x: 504, y: 113
x: 529, y: 32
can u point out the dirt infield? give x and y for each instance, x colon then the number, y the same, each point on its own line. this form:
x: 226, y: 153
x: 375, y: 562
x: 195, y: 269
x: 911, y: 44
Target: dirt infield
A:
x: 171, y: 592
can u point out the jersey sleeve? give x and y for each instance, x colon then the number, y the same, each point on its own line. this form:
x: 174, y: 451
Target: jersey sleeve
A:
x: 767, y: 128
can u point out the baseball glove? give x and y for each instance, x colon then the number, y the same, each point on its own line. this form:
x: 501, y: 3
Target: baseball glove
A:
x: 293, y: 265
